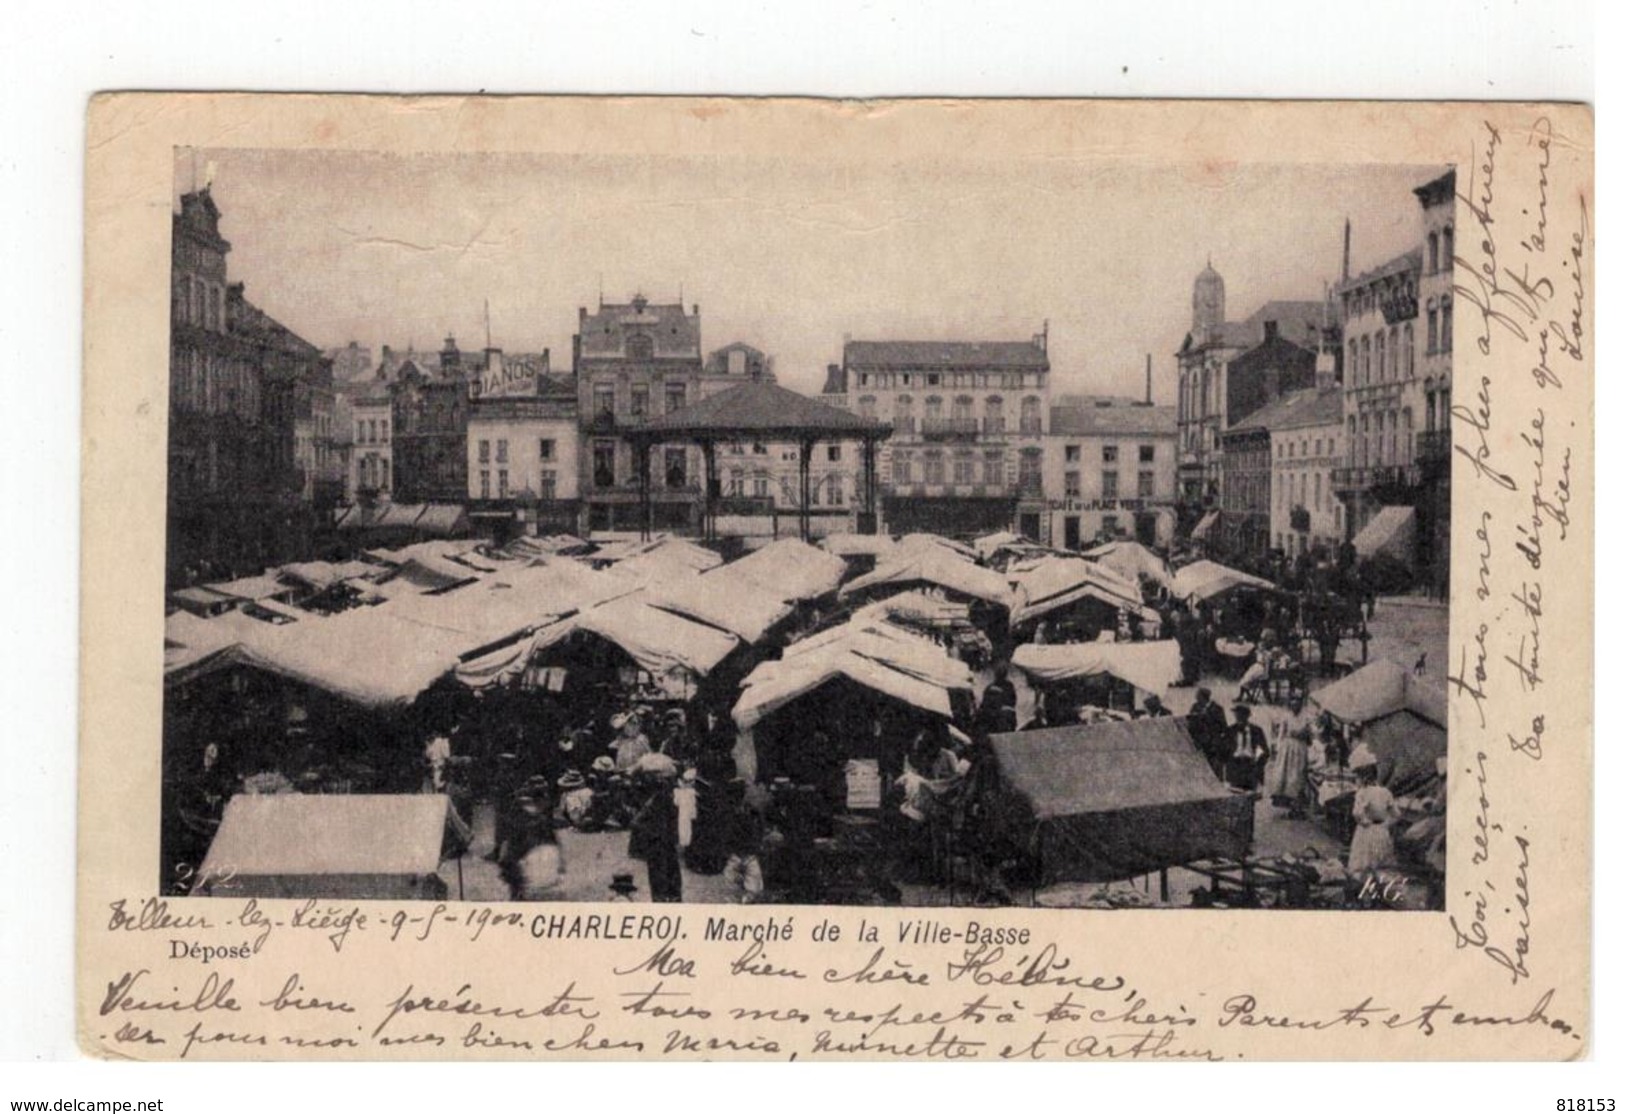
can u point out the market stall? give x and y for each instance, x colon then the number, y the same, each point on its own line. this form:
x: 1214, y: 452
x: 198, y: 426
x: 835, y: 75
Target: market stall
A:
x: 1079, y: 598
x: 1110, y: 801
x: 295, y: 845
x: 1099, y: 674
x: 1399, y: 715
x: 1133, y: 562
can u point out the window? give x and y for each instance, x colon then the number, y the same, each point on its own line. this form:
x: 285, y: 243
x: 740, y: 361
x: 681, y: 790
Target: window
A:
x: 485, y: 452
x: 1382, y: 357
x: 812, y: 494
x: 640, y: 400
x: 905, y: 414
x: 1446, y: 332
x: 676, y: 468
x: 833, y: 453
x: 902, y: 468
x: 1147, y: 485
x: 837, y: 492
x: 1108, y: 454
x: 502, y: 483
x: 1433, y: 326
x: 1148, y: 454
x: 1317, y: 492
x: 1108, y: 523
x: 676, y: 396
x: 547, y: 449
x: 1317, y: 446
x: 1074, y: 454
x: 361, y: 431
x: 995, y: 415
x: 962, y: 412
x: 603, y: 464
x: 549, y: 484
x: 933, y: 408
x: 736, y: 362
x: 640, y: 346
x: 1108, y: 485
x: 934, y: 470
x: 1074, y: 485
x: 1433, y: 252
x: 933, y: 380
x: 760, y: 488
x: 1032, y: 420
x: 1408, y: 351
x: 383, y: 430
x: 485, y: 484
x: 502, y: 451
x: 993, y: 469
x: 1031, y: 470
x: 866, y: 406
x: 603, y: 400
x: 1365, y: 359
x: 1448, y: 246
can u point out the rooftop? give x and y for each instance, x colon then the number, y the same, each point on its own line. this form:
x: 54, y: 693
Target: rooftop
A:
x: 1095, y: 421
x: 1399, y: 264
x: 1022, y: 354
x: 1309, y: 407
x: 757, y: 408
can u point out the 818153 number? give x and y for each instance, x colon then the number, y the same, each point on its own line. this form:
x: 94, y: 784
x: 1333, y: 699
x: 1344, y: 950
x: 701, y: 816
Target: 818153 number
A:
x: 1585, y: 1106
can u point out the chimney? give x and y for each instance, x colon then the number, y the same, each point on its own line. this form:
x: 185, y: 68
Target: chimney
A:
x: 1348, y: 236
x: 1148, y: 379
x: 1271, y: 330
x: 1041, y: 340
x: 450, y: 357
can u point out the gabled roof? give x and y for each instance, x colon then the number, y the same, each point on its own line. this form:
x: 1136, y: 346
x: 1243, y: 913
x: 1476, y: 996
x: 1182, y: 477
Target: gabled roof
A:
x: 760, y: 408
x: 1309, y: 407
x: 946, y: 354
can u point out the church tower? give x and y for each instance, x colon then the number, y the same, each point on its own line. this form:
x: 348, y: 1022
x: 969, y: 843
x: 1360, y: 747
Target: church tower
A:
x: 1207, y: 304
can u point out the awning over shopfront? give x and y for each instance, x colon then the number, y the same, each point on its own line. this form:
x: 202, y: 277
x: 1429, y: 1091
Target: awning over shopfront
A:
x: 1202, y: 580
x: 1149, y: 666
x: 1205, y: 529
x: 1390, y: 533
x: 1107, y: 801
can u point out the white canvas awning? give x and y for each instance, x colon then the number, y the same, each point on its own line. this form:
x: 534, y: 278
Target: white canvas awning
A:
x: 930, y: 564
x: 774, y: 684
x: 1205, y: 579
x: 788, y: 568
x: 734, y: 605
x: 1204, y: 528
x: 1392, y: 533
x: 1131, y: 560
x: 326, y: 834
x: 1048, y: 583
x: 1150, y: 666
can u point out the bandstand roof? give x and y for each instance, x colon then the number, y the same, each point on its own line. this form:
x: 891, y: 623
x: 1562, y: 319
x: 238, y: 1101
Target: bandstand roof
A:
x: 760, y: 411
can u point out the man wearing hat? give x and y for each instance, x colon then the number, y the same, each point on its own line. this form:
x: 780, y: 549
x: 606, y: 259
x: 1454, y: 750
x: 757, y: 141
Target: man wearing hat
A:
x: 575, y: 798
x: 654, y: 835
x: 1249, y: 751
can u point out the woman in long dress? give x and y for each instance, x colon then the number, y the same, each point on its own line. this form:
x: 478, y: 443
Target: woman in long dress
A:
x: 1287, y: 780
x: 1374, y: 813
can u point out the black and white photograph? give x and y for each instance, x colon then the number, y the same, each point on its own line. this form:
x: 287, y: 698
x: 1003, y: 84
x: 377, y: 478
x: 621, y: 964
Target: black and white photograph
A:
x: 722, y: 530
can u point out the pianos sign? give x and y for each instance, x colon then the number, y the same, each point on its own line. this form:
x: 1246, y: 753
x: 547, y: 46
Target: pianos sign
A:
x: 503, y: 378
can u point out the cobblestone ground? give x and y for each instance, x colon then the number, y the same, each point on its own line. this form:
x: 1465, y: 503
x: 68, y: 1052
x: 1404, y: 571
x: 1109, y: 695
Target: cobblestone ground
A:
x: 1402, y: 630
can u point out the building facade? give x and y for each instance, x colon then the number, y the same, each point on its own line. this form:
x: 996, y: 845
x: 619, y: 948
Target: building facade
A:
x: 1109, y: 472
x: 1306, y: 443
x: 634, y: 361
x: 429, y: 432
x: 1213, y: 395
x: 372, y: 463
x: 1382, y: 392
x: 238, y: 499
x: 523, y: 459
x: 1436, y: 294
x: 966, y: 454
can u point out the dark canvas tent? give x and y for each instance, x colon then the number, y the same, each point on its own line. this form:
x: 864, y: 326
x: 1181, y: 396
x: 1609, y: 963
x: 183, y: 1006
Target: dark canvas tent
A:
x: 1101, y: 802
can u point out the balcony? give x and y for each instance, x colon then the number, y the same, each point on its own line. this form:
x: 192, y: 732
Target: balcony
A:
x: 949, y: 429
x: 1376, y: 477
x: 601, y: 422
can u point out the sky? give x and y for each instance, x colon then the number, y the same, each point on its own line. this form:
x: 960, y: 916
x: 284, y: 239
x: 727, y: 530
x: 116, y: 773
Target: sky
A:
x: 792, y: 255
